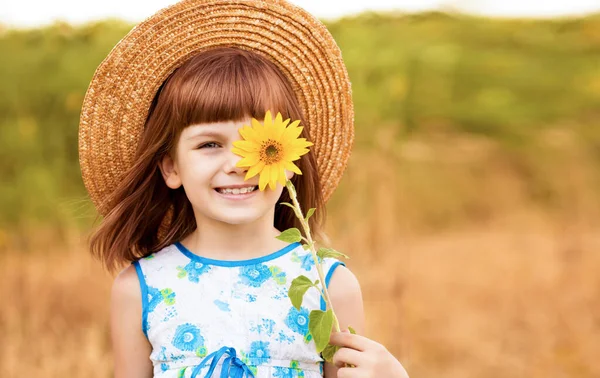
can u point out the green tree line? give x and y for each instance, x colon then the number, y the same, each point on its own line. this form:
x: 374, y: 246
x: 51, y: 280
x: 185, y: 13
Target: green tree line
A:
x: 506, y: 79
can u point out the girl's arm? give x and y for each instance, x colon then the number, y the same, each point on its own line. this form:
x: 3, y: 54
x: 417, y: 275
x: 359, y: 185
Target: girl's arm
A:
x: 370, y: 358
x: 347, y: 302
x: 131, y: 348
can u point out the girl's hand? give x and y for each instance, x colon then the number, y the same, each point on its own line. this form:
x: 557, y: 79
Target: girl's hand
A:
x: 370, y: 358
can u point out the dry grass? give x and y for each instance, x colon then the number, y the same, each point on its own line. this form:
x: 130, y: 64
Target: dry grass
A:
x: 495, y: 288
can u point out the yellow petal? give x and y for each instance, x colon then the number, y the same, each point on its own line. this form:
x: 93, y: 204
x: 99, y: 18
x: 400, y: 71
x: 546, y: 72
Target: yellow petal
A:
x: 242, y: 153
x: 248, y: 161
x: 247, y: 145
x: 272, y: 129
x: 279, y: 127
x: 258, y: 128
x: 291, y: 156
x: 300, y: 151
x: 295, y: 123
x: 291, y: 167
x: 291, y: 133
x: 301, y: 142
x: 274, y: 176
x: 268, y: 121
x: 253, y: 171
x: 247, y: 133
x: 282, y: 176
x: 265, y: 175
x: 269, y: 132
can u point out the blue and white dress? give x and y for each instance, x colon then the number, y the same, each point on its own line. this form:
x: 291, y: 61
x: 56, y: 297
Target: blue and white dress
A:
x: 218, y: 318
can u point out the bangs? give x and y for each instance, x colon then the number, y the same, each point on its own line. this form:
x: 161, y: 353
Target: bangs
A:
x: 229, y: 85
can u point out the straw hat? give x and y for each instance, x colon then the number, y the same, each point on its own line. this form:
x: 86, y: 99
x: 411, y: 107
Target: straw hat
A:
x: 119, y: 96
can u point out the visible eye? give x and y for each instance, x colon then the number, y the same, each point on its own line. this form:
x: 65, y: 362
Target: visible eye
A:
x: 207, y: 144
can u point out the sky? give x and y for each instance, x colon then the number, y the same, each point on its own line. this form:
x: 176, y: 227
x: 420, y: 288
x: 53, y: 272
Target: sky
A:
x: 32, y: 13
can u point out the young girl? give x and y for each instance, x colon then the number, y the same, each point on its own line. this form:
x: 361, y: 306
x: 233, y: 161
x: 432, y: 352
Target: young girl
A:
x: 206, y: 293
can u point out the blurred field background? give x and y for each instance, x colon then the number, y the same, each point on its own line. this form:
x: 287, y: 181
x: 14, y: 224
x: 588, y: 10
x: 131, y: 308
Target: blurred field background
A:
x: 470, y: 207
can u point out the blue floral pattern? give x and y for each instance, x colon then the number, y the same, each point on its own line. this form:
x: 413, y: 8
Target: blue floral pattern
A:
x: 223, y: 306
x: 282, y: 372
x: 163, y: 357
x: 254, y: 275
x: 195, y: 307
x: 187, y: 337
x: 292, y: 372
x: 168, y: 296
x: 266, y: 326
x: 259, y: 352
x: 298, y: 322
x: 306, y: 260
x: 155, y: 297
x: 283, y: 338
x: 193, y: 270
x: 278, y: 275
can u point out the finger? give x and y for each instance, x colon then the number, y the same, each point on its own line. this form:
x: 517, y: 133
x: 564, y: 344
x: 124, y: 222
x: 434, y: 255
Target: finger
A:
x: 349, y: 372
x: 347, y: 356
x: 349, y: 340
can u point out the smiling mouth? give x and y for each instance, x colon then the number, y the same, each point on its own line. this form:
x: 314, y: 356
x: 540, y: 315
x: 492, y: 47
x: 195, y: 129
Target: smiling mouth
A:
x: 237, y: 191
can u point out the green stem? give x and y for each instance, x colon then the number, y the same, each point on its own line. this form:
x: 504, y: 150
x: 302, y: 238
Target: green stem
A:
x: 311, y: 244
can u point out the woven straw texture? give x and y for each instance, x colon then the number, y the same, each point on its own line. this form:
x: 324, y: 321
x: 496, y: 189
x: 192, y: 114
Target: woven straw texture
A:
x: 117, y: 101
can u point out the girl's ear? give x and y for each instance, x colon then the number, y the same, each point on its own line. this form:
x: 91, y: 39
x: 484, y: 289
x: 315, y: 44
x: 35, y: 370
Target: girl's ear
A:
x: 169, y: 171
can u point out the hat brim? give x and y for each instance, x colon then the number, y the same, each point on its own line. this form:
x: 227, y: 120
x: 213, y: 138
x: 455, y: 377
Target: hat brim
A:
x: 117, y: 101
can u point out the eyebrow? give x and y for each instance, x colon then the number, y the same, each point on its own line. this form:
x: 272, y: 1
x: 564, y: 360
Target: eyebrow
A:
x: 208, y: 133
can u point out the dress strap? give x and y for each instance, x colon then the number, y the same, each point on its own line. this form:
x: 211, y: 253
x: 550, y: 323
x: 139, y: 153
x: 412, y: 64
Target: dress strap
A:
x: 233, y: 367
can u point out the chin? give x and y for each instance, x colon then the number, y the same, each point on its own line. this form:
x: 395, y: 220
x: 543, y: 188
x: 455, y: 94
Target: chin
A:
x: 238, y: 219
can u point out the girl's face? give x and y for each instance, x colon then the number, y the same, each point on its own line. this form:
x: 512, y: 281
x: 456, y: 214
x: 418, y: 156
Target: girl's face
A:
x: 203, y: 162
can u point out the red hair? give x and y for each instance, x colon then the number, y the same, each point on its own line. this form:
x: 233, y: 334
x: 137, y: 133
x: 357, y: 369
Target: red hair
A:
x: 217, y: 85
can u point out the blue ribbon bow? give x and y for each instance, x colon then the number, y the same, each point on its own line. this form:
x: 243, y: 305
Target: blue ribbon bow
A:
x: 233, y: 367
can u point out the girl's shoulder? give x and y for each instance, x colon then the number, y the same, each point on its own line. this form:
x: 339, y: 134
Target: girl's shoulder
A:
x: 166, y: 253
x: 126, y: 286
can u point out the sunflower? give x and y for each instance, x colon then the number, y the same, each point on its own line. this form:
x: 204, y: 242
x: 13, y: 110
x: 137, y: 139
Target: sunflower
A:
x: 269, y: 149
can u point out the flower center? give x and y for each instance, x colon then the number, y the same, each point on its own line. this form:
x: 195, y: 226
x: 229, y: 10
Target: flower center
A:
x: 301, y: 320
x: 188, y: 337
x: 270, y: 152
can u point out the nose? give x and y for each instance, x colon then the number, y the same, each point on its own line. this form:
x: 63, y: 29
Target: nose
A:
x: 230, y: 164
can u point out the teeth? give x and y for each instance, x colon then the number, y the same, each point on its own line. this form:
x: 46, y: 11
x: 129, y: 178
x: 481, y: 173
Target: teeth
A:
x: 237, y: 190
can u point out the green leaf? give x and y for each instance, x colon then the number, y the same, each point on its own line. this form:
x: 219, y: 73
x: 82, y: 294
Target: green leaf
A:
x: 310, y: 212
x: 291, y: 235
x: 329, y: 351
x: 329, y: 252
x: 352, y: 331
x: 319, y: 325
x: 297, y: 290
x: 306, y: 247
